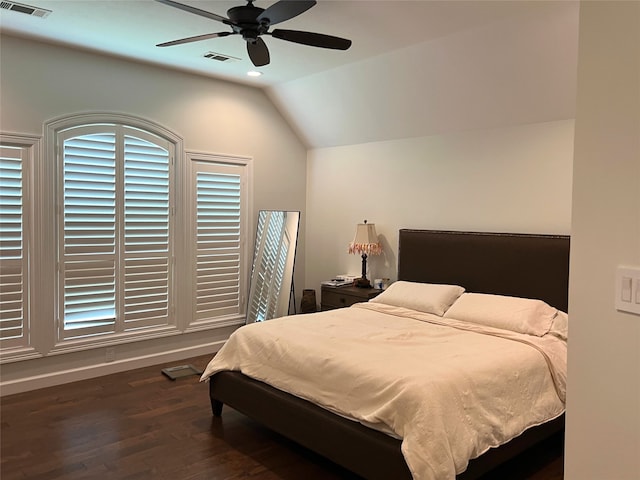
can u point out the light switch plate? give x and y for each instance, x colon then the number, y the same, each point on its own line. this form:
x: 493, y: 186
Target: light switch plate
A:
x: 628, y: 289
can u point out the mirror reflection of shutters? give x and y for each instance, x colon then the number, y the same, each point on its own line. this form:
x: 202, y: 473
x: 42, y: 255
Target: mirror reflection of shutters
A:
x: 269, y: 262
x: 269, y: 273
x: 279, y: 252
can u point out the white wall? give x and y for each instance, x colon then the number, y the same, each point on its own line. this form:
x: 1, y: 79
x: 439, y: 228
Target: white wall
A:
x: 41, y: 82
x: 518, y: 70
x: 603, y: 398
x: 515, y: 179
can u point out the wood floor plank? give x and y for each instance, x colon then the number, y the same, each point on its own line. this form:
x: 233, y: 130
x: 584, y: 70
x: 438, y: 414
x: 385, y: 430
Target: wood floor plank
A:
x: 141, y: 425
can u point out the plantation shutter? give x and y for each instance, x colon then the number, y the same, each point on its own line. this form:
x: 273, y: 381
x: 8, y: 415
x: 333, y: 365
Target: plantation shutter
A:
x: 115, y: 258
x: 218, y: 235
x: 89, y: 255
x: 14, y: 311
x: 147, y: 263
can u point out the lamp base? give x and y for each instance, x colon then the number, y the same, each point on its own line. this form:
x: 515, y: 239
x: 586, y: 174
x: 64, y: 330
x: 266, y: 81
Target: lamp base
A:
x: 362, y: 282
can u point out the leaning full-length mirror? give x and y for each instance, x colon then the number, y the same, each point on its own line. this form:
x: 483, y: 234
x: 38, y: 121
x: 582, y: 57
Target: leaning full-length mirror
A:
x: 273, y: 261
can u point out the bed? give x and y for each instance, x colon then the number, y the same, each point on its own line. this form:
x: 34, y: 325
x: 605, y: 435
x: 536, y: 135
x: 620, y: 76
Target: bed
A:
x: 514, y: 265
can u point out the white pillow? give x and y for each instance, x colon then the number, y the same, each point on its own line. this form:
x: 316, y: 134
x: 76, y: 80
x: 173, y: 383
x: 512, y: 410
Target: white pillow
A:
x: 522, y: 315
x: 423, y: 297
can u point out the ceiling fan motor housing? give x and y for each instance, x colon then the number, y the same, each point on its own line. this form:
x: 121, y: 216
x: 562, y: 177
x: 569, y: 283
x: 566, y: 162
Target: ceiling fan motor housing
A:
x: 245, y: 21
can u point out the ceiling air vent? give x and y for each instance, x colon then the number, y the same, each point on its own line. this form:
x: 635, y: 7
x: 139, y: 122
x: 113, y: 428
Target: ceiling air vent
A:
x: 220, y: 57
x: 22, y: 8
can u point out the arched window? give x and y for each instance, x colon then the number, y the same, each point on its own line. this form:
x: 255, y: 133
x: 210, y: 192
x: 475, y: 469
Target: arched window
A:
x: 115, y: 222
x: 150, y: 239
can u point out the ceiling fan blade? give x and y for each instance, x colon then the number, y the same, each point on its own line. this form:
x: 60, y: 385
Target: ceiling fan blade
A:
x: 197, y: 38
x: 197, y: 11
x: 312, y: 39
x: 284, y: 10
x: 258, y: 52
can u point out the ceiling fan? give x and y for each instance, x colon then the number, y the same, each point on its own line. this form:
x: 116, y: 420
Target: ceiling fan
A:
x: 251, y: 22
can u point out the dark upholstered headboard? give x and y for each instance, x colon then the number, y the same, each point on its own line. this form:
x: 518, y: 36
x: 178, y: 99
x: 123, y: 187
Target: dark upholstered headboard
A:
x: 519, y: 265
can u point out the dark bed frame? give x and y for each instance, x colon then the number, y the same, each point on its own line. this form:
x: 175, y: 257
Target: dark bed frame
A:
x: 521, y: 265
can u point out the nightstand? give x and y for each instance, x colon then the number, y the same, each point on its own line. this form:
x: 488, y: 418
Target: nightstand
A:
x: 340, y: 297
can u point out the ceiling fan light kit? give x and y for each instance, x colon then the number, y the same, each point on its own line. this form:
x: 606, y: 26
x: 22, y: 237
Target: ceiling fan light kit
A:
x: 252, y: 22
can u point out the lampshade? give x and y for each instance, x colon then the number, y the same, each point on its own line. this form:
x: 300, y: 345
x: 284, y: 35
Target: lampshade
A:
x: 366, y: 240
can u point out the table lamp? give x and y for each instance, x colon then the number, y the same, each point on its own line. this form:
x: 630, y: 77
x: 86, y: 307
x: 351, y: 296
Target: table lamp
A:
x: 365, y: 243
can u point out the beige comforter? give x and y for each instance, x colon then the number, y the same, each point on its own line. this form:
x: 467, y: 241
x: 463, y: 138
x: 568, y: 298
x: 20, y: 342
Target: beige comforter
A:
x: 450, y: 390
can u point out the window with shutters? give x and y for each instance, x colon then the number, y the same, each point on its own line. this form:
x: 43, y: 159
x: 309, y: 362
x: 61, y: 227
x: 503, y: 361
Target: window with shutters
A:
x: 219, y: 232
x: 15, y: 160
x: 115, y: 231
x: 126, y: 237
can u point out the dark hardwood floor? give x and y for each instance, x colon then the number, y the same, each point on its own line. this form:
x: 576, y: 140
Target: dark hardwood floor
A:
x: 141, y: 425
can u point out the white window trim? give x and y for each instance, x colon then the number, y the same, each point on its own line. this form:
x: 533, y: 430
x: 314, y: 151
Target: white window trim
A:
x: 51, y: 148
x: 32, y: 145
x: 186, y: 273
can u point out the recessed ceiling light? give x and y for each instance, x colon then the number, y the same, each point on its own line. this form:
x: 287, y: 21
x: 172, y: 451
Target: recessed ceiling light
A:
x: 254, y: 73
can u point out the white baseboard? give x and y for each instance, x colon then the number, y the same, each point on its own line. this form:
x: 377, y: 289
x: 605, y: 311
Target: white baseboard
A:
x: 83, y: 373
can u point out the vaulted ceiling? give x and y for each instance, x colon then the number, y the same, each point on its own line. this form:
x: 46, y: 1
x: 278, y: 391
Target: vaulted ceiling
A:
x: 415, y: 68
